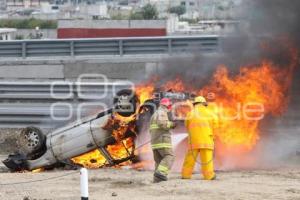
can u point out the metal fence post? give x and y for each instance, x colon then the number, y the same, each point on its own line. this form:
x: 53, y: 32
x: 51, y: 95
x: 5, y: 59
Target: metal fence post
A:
x: 121, y: 52
x: 72, y: 48
x: 24, y: 50
x: 220, y: 44
x: 170, y: 46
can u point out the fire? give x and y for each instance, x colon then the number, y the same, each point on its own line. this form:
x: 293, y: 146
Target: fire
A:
x: 175, y: 85
x: 38, y: 170
x: 145, y: 91
x: 117, y: 125
x: 241, y: 101
x: 245, y: 99
x: 95, y: 159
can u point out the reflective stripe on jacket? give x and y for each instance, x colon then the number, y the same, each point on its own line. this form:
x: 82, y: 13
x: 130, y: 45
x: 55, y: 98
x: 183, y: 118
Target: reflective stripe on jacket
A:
x: 159, y: 129
x: 160, y: 120
x: 161, y: 145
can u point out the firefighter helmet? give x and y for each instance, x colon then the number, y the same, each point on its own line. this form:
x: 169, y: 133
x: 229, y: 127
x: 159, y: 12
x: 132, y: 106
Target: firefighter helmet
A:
x: 166, y: 102
x: 199, y: 99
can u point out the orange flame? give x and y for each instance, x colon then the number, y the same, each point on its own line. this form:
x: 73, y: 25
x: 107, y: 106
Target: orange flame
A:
x: 95, y: 159
x: 241, y: 101
x: 176, y: 85
x: 145, y: 91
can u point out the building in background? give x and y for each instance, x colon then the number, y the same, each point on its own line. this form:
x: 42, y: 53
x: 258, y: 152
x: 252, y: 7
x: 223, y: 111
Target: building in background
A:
x: 7, y: 33
x: 163, y: 7
x: 24, y: 4
x: 217, y: 9
x: 67, y: 11
x: 2, y: 5
x: 197, y: 9
x: 96, y: 11
x: 203, y: 27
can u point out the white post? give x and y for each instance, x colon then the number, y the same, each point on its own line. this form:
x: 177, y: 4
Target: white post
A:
x: 84, y: 184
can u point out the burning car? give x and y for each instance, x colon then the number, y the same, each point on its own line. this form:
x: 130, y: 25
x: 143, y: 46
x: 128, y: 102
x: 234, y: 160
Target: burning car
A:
x: 116, y: 126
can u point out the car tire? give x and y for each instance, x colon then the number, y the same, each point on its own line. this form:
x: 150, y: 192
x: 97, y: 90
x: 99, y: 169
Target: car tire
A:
x: 31, y: 141
x: 125, y: 102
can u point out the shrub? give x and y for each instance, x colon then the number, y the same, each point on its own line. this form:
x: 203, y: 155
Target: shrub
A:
x: 28, y: 23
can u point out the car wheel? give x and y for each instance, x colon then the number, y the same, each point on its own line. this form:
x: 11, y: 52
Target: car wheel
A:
x: 125, y: 103
x: 31, y: 140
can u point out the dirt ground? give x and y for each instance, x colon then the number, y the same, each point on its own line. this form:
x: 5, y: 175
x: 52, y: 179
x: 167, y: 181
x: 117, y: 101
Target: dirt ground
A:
x: 8, y: 140
x: 118, y: 184
x: 270, y: 184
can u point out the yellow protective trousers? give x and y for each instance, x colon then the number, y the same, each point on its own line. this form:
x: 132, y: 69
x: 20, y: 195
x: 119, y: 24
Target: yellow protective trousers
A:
x: 207, y: 164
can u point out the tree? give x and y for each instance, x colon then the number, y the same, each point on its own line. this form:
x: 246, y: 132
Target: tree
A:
x: 149, y: 11
x: 137, y: 16
x: 179, y: 10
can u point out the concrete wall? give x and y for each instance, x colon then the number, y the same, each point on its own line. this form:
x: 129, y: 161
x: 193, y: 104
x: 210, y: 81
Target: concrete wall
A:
x: 117, y: 68
x: 29, y: 71
x: 47, y: 33
x: 112, y: 24
x: 111, y: 70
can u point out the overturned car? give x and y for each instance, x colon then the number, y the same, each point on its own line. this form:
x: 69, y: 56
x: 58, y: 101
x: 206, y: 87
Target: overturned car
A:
x: 96, y: 132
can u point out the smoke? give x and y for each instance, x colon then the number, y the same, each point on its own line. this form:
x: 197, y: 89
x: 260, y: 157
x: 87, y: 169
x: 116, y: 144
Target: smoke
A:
x: 275, y: 18
x: 267, y: 30
x: 266, y: 26
x: 278, y: 21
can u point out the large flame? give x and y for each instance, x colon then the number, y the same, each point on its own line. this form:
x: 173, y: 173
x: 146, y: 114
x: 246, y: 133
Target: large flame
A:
x: 242, y: 101
x: 95, y: 159
x: 145, y: 91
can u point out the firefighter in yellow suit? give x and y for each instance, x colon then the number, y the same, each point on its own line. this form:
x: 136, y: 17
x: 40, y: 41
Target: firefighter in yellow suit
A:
x: 201, y: 124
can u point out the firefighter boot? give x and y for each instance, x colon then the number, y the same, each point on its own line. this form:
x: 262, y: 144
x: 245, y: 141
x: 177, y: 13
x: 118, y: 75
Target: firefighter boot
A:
x: 159, y: 177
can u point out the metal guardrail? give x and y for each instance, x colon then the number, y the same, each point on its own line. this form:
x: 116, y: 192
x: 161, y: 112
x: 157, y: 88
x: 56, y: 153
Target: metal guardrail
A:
x: 58, y: 90
x: 52, y: 104
x: 108, y: 46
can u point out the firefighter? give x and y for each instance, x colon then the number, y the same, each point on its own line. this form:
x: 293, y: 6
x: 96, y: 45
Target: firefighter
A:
x: 160, y: 126
x: 201, y: 124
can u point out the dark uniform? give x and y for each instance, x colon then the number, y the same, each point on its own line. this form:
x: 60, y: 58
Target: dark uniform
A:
x: 161, y: 143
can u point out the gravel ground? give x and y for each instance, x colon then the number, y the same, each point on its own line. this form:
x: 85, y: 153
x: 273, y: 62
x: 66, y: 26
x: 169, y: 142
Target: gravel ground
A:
x: 270, y: 184
x: 8, y: 139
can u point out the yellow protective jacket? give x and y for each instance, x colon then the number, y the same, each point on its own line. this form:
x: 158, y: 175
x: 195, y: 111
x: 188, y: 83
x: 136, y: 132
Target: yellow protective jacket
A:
x: 201, y: 124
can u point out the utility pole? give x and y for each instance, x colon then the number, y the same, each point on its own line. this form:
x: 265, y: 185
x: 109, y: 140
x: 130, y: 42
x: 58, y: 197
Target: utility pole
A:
x: 213, y: 9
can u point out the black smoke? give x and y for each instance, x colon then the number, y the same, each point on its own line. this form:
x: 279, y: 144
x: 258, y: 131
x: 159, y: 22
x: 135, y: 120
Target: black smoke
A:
x: 265, y: 28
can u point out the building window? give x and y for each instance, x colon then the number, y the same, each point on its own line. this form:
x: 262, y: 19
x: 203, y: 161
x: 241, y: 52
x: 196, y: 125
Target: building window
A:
x: 192, y: 3
x: 55, y: 8
x: 182, y: 3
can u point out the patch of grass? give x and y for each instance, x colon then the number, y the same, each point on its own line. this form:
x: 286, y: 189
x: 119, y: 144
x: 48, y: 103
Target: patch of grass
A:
x: 28, y: 23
